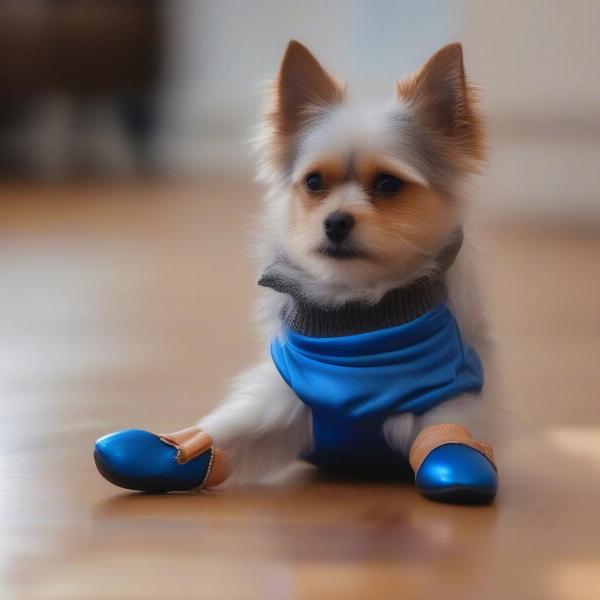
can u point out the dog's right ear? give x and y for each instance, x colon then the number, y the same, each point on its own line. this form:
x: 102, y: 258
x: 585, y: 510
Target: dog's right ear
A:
x: 301, y: 86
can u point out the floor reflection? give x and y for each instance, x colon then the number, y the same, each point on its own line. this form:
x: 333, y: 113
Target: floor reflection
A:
x: 322, y: 520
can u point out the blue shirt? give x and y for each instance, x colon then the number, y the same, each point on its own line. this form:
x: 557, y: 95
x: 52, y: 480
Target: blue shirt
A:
x: 352, y: 383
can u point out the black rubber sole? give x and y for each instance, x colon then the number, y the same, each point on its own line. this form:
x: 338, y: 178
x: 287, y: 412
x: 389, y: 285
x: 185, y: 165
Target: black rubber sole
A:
x: 462, y: 495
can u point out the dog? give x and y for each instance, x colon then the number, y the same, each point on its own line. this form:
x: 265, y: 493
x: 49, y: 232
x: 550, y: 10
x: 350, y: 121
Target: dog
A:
x: 370, y: 303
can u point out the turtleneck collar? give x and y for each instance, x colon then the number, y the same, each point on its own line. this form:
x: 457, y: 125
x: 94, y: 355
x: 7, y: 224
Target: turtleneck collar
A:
x: 310, y: 317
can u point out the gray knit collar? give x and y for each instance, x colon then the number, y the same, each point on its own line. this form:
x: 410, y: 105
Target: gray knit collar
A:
x: 310, y: 317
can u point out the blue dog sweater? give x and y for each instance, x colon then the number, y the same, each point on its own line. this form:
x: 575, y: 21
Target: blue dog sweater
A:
x: 352, y: 383
x: 404, y: 354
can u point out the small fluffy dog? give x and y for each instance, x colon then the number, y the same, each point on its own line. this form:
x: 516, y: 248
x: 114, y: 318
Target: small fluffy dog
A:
x: 373, y: 314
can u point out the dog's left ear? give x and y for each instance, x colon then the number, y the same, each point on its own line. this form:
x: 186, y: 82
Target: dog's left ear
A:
x: 442, y: 98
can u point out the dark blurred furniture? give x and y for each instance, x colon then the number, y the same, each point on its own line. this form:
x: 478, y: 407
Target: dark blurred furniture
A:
x: 82, y: 48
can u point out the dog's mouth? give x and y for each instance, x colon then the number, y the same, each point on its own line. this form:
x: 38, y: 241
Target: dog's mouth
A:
x: 342, y: 251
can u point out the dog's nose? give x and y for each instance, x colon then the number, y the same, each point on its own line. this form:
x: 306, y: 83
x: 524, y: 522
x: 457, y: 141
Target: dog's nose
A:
x: 337, y: 225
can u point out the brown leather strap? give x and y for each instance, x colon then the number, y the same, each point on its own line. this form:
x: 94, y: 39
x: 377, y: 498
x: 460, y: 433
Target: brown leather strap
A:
x: 437, y: 435
x: 217, y: 469
x: 192, y: 442
x: 189, y: 443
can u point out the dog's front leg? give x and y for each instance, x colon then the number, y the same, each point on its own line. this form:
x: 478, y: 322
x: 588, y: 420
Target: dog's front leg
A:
x: 259, y: 428
x: 261, y: 425
x: 450, y: 463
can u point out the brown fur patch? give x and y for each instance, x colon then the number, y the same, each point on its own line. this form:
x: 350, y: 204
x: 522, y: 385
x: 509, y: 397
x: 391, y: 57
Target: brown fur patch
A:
x: 333, y: 171
x: 416, y: 216
x: 366, y: 168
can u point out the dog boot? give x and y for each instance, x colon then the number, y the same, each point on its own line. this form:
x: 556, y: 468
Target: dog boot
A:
x: 143, y: 461
x: 450, y: 466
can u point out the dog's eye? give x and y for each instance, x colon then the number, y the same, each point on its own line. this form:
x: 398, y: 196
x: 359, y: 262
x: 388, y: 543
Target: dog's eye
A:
x: 314, y: 182
x: 387, y: 184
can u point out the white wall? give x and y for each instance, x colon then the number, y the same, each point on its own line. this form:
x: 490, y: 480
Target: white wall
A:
x: 221, y: 53
x: 539, y: 64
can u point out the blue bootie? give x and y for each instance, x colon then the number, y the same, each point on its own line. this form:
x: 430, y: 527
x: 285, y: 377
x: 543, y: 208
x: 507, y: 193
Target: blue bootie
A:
x: 140, y: 460
x: 457, y: 473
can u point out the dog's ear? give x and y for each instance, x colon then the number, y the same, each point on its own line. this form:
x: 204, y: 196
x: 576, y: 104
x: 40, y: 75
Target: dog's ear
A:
x: 441, y: 96
x: 301, y: 85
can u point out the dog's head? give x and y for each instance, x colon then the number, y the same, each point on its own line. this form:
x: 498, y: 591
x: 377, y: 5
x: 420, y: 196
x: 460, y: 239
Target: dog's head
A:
x: 368, y: 193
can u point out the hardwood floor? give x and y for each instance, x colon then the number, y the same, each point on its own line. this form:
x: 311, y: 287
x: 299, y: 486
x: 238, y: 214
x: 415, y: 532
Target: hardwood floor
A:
x: 129, y: 305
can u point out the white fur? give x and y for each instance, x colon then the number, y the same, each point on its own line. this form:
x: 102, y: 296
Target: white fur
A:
x: 261, y: 424
x: 357, y: 125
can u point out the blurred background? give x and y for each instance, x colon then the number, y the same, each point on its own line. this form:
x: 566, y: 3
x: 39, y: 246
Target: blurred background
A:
x: 128, y: 88
x: 126, y: 186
